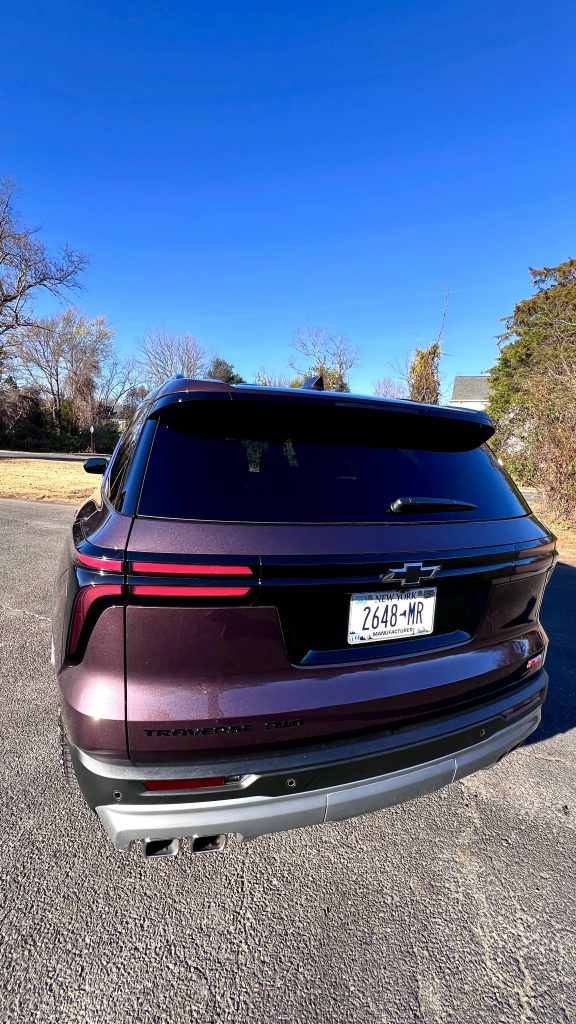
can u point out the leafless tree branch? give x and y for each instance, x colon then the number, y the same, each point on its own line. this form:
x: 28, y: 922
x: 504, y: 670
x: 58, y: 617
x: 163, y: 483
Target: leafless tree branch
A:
x: 315, y: 350
x: 26, y: 267
x: 163, y: 353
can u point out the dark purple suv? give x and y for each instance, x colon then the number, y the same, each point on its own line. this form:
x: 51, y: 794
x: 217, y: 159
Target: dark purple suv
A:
x: 286, y: 607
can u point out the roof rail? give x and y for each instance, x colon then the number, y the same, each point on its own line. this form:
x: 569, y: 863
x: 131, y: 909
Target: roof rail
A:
x: 315, y: 383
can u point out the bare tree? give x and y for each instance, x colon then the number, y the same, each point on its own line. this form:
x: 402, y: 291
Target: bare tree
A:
x: 117, y: 381
x: 26, y: 267
x: 273, y: 380
x: 87, y: 351
x: 37, y: 360
x: 163, y: 353
x: 389, y: 387
x: 127, y: 406
x: 315, y: 350
x: 63, y: 357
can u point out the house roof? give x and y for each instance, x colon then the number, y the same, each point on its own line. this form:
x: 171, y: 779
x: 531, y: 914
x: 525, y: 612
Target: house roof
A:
x: 470, y: 389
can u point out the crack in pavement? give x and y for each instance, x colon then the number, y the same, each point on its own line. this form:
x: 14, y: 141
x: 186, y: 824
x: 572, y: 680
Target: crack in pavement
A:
x: 549, y: 757
x: 470, y: 863
x: 24, y: 611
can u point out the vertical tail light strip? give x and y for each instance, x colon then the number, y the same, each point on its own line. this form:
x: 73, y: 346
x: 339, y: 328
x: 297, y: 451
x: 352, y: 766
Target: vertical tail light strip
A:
x: 101, y: 588
x: 85, y: 598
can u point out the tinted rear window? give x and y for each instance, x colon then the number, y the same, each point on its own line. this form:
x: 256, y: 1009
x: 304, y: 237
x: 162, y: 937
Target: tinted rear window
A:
x: 241, y: 461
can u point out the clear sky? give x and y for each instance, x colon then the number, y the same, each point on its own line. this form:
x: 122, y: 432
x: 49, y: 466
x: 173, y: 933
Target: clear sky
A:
x: 236, y: 168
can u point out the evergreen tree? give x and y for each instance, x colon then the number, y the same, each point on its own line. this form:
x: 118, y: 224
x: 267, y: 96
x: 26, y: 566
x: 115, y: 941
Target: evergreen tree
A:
x: 221, y: 369
x: 533, y: 387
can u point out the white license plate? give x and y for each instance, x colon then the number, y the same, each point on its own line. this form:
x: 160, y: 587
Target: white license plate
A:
x: 391, y: 614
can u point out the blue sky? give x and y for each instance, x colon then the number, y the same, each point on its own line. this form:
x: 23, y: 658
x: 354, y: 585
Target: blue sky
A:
x: 237, y: 168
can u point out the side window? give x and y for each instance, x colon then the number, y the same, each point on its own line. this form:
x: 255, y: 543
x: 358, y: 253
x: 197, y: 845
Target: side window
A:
x: 123, y: 458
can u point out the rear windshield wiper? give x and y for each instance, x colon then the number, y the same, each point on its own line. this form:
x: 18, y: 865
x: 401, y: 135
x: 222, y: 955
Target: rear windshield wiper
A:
x: 430, y: 505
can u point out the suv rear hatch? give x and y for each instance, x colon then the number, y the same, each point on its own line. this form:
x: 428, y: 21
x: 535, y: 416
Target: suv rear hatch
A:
x: 264, y: 517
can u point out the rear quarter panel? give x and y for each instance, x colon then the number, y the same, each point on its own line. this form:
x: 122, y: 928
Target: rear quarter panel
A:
x: 92, y: 689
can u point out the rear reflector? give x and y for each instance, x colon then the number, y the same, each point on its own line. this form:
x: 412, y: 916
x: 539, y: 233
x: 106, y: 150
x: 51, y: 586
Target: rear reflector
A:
x: 90, y: 562
x: 522, y: 704
x: 184, y: 569
x: 154, y: 590
x: 170, y: 785
x: 85, y: 598
x: 534, y: 661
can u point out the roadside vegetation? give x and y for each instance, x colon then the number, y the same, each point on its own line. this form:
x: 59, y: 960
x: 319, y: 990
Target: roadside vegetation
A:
x: 63, y: 374
x: 564, y: 531
x: 42, y: 480
x: 533, y: 390
x: 60, y: 375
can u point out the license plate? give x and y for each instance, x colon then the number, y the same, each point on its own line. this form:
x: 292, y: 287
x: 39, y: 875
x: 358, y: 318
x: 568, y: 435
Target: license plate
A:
x: 391, y: 614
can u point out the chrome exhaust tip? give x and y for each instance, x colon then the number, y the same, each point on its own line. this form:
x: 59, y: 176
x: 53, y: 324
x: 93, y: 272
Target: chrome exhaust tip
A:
x: 154, y: 848
x: 208, y: 844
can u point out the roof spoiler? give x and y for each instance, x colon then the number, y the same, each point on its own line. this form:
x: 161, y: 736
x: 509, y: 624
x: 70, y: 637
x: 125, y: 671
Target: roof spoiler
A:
x: 315, y: 383
x: 408, y: 424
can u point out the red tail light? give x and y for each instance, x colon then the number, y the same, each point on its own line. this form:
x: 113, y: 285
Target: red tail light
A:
x: 154, y: 590
x: 88, y: 595
x: 85, y: 598
x: 170, y: 785
x: 204, y: 589
x: 183, y: 569
x: 107, y: 564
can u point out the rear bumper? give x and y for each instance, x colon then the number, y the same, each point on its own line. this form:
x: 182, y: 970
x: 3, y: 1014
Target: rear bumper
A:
x: 249, y: 816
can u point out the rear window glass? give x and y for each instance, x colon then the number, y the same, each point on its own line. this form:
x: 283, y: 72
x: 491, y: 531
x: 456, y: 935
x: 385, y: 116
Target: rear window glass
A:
x: 240, y: 461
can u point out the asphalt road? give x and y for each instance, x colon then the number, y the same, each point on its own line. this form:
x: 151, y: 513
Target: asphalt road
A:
x: 49, y: 456
x: 459, y: 907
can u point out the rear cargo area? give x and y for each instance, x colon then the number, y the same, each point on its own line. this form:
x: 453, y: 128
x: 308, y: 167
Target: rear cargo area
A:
x: 277, y: 670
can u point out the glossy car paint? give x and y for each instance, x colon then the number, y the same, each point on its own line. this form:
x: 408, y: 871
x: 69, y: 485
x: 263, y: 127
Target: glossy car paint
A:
x: 242, y: 674
x: 161, y: 682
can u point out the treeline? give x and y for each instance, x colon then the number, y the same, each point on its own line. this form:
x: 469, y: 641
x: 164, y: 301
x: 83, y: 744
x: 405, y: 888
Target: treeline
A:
x: 533, y: 389
x: 62, y: 375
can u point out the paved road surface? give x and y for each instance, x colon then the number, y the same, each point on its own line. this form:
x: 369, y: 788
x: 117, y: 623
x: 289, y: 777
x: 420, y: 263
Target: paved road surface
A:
x: 457, y: 908
x: 50, y: 456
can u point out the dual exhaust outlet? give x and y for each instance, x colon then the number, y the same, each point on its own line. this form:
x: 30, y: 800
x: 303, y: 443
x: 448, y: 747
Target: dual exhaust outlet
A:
x: 156, y: 848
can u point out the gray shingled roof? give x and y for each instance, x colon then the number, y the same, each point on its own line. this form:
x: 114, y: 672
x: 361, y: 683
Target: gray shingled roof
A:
x: 470, y: 389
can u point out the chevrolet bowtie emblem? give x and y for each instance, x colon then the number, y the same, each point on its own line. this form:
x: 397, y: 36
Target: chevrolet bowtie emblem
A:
x: 411, y: 574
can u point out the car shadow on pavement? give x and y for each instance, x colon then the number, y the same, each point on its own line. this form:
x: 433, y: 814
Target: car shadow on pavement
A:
x: 559, y: 620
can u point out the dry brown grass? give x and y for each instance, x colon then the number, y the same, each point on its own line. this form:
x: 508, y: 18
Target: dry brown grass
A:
x: 43, y: 480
